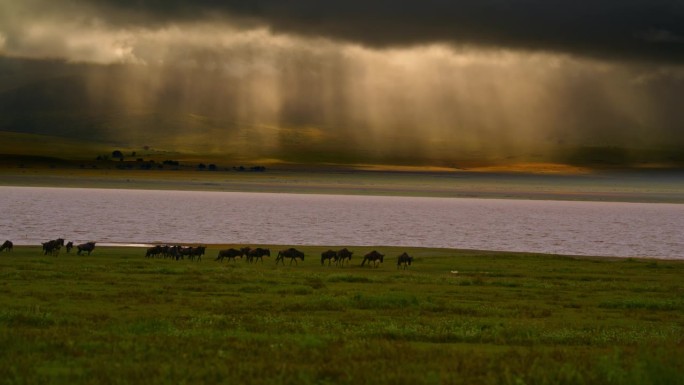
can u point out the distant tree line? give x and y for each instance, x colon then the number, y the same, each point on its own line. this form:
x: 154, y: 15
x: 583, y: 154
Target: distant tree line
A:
x: 252, y: 169
x: 142, y: 164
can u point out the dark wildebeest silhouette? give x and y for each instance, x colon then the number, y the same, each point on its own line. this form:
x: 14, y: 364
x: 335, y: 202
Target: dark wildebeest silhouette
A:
x: 374, y: 257
x: 7, y: 246
x: 174, y: 252
x: 52, y: 247
x: 169, y: 251
x: 184, y: 252
x: 197, y: 252
x: 291, y: 253
x: 329, y: 255
x: 87, y: 247
x: 257, y: 254
x: 404, y: 260
x: 69, y: 246
x: 342, y: 255
x: 154, y: 251
x: 231, y: 254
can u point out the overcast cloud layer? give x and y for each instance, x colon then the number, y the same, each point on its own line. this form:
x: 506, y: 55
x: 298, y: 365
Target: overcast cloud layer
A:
x: 629, y: 29
x: 426, y: 78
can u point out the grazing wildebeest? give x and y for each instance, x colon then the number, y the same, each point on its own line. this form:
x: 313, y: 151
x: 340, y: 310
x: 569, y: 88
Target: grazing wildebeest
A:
x: 291, y: 253
x: 374, y: 257
x: 7, y: 246
x: 329, y: 255
x: 87, y: 247
x: 231, y: 254
x: 69, y: 246
x: 405, y: 260
x: 257, y: 254
x: 344, y: 254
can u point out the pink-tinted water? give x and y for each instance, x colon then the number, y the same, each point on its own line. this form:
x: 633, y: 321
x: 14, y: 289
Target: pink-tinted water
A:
x: 33, y: 215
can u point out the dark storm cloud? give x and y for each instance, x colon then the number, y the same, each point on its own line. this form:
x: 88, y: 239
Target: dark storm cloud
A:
x: 651, y: 30
x: 429, y: 80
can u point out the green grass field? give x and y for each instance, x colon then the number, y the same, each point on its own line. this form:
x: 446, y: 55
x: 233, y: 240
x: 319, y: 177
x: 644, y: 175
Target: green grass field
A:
x: 118, y: 318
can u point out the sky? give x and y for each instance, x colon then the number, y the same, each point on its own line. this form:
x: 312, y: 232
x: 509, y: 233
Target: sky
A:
x: 430, y: 80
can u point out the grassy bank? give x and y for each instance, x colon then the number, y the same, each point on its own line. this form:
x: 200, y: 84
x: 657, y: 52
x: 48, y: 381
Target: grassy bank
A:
x: 452, y: 317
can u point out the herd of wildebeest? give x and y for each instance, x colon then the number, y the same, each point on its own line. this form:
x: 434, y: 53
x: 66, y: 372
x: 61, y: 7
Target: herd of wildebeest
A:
x: 251, y: 255
x: 54, y: 246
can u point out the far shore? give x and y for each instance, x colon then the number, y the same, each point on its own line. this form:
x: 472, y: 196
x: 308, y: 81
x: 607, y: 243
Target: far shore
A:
x: 666, y: 186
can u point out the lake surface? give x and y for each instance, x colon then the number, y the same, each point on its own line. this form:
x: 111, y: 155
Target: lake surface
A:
x: 31, y: 215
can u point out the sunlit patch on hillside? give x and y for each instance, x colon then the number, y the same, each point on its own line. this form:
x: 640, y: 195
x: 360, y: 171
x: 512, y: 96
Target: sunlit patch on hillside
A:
x: 534, y: 168
x: 389, y: 167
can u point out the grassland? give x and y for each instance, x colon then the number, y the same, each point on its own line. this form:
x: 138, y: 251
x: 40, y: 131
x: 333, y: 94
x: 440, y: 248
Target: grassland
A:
x: 454, y: 317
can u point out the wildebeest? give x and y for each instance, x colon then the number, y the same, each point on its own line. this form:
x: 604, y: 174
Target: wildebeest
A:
x: 257, y: 254
x: 197, y: 252
x: 183, y: 252
x: 404, y: 260
x: 154, y: 251
x: 173, y: 252
x: 374, y: 257
x: 52, y: 247
x: 69, y: 246
x: 344, y: 254
x: 7, y: 246
x: 87, y: 247
x: 291, y: 253
x: 231, y: 254
x: 329, y: 255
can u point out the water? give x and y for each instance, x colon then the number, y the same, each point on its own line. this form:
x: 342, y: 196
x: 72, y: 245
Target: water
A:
x: 33, y: 215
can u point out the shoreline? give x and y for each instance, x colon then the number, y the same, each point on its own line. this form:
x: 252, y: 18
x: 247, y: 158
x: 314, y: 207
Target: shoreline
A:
x: 391, y: 250
x: 633, y: 187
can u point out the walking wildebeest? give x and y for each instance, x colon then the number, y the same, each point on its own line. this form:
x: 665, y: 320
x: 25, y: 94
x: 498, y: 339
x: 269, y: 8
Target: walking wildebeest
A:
x: 69, y: 246
x: 87, y: 247
x: 198, y: 252
x: 257, y: 254
x: 374, y: 257
x: 184, y: 251
x: 329, y: 255
x: 174, y: 252
x: 231, y: 254
x: 7, y: 246
x: 154, y: 251
x: 52, y: 247
x: 405, y: 260
x: 291, y: 253
x: 344, y: 254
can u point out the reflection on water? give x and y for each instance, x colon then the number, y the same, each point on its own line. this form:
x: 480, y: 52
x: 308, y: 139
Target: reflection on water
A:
x: 33, y: 215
